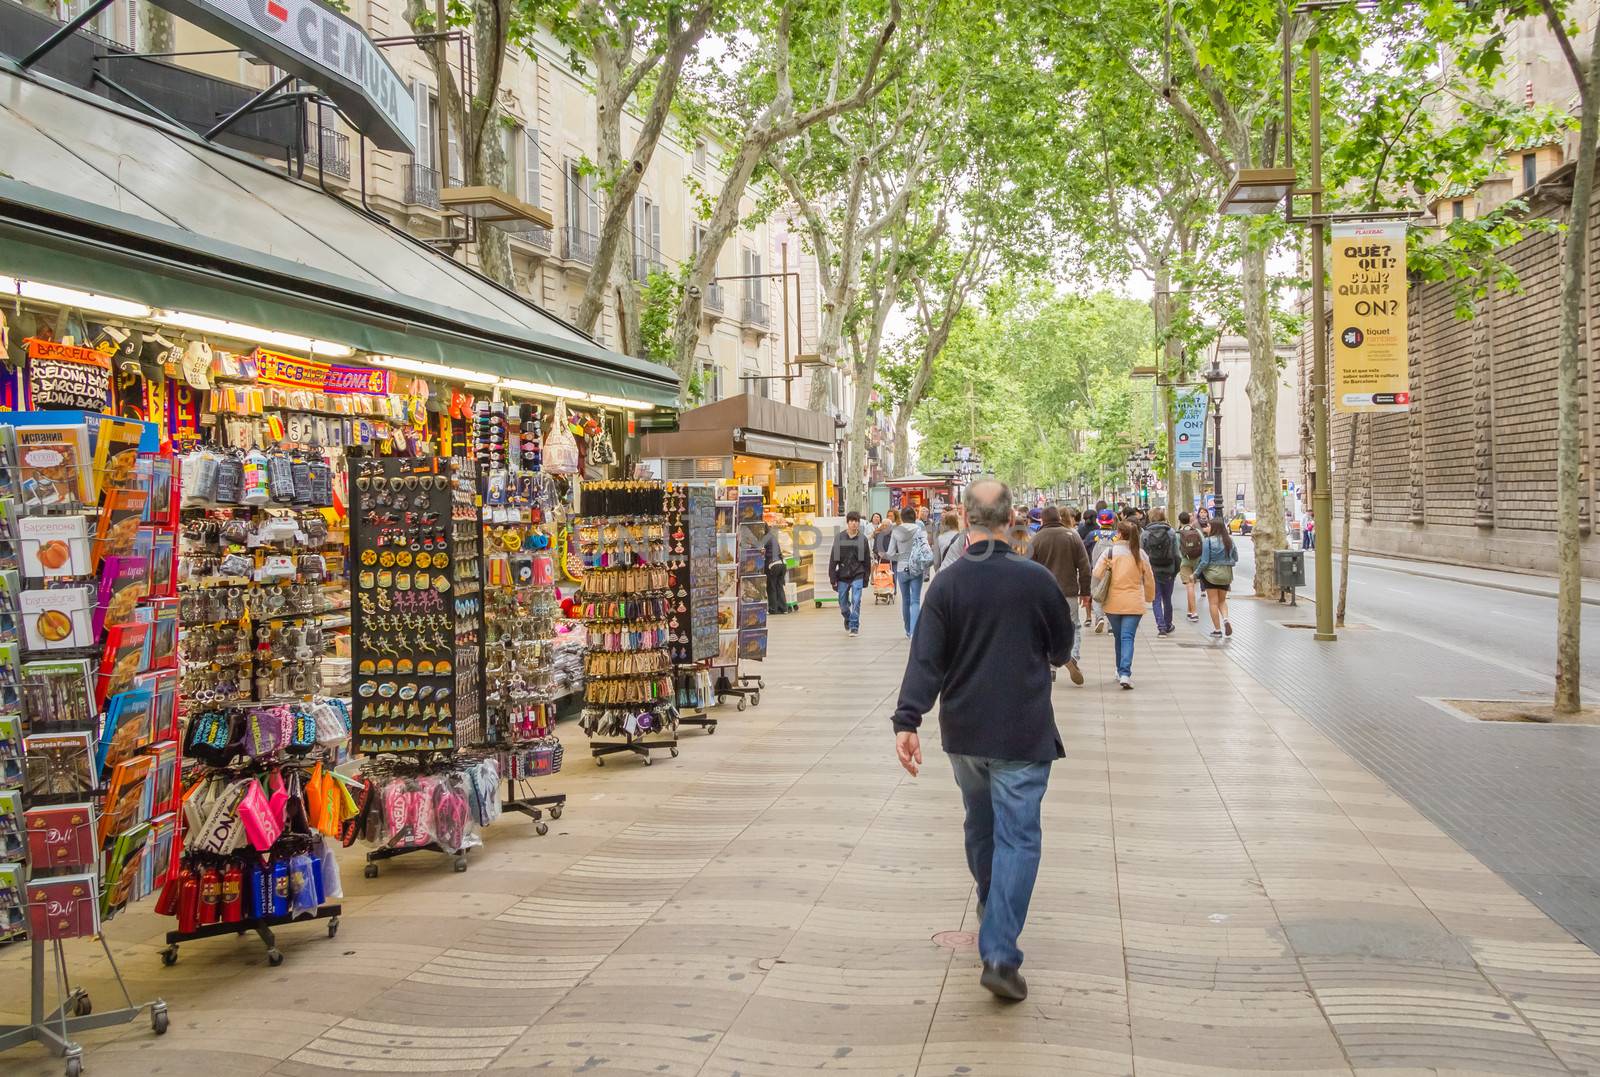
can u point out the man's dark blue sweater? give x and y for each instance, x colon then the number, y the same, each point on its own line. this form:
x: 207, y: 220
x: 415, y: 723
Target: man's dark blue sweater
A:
x: 991, y: 626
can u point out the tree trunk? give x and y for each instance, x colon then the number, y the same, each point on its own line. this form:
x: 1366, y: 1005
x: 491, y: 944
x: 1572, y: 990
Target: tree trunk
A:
x: 1344, y: 521
x: 617, y: 195
x: 686, y: 331
x: 1569, y: 458
x: 156, y: 32
x: 1161, y: 307
x: 830, y: 344
x: 1262, y: 391
x: 629, y: 309
x: 856, y: 456
x: 494, y: 250
x: 902, y: 442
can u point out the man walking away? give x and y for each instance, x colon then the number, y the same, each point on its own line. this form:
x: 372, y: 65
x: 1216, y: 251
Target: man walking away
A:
x: 849, y: 565
x: 777, y: 573
x: 1160, y: 546
x: 993, y: 628
x: 1058, y: 548
x: 912, y: 557
x: 1190, y: 545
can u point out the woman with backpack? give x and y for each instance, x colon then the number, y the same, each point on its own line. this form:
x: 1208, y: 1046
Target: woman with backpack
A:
x: 1124, y: 585
x: 1215, y: 570
x: 912, y: 557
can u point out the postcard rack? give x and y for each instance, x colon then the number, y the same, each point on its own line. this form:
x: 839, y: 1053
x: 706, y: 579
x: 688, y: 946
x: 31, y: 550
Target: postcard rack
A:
x: 88, y: 717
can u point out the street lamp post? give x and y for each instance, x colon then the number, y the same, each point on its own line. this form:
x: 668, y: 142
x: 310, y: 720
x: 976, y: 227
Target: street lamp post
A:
x: 1216, y: 384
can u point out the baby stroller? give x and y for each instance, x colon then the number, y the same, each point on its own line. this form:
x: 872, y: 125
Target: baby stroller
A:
x: 883, y: 584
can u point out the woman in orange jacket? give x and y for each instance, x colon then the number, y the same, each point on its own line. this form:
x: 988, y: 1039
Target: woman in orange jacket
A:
x: 1133, y: 587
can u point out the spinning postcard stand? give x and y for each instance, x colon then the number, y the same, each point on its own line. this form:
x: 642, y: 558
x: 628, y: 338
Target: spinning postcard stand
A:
x: 691, y: 526
x: 741, y: 599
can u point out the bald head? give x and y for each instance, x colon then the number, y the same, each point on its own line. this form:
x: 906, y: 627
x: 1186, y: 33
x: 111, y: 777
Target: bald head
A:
x: 988, y: 505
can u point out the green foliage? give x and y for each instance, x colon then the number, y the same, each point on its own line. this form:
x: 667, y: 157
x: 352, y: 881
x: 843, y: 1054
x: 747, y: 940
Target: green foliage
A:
x: 658, y: 308
x: 1038, y: 382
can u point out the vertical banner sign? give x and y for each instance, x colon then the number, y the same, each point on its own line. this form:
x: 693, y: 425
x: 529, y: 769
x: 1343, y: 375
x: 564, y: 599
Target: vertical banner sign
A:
x: 1370, y: 372
x: 1189, y: 428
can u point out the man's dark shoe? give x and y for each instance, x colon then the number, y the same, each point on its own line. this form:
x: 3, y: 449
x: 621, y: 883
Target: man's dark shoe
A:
x: 1004, y: 982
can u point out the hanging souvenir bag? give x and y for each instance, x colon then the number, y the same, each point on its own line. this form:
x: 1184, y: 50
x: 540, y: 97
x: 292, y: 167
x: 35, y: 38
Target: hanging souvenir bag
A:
x: 229, y: 480
x: 261, y: 823
x: 560, y: 447
x: 601, y: 454
x: 302, y: 886
x: 450, y: 814
x: 255, y: 488
x: 211, y: 738
x: 223, y: 830
x: 267, y: 732
x: 302, y: 731
x: 356, y: 814
x: 332, y: 888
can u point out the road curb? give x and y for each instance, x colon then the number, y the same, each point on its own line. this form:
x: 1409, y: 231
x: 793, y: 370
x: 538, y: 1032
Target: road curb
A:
x: 1513, y: 588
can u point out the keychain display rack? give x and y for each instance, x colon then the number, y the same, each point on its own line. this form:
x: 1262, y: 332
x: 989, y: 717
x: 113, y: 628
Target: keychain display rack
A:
x: 417, y: 641
x: 626, y: 605
x: 691, y: 527
x: 88, y: 715
x: 259, y: 567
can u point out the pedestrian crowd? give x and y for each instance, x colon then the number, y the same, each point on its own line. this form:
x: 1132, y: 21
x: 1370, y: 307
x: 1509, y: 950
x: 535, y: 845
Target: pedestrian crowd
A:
x: 992, y: 609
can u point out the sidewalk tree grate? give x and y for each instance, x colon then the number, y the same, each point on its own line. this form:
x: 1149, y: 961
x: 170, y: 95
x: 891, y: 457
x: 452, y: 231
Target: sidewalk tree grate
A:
x: 1534, y: 711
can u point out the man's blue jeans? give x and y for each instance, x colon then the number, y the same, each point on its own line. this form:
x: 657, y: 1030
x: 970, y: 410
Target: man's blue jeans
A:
x: 1162, y: 606
x: 850, y: 602
x: 1123, y: 628
x: 1002, y: 832
x: 910, y: 599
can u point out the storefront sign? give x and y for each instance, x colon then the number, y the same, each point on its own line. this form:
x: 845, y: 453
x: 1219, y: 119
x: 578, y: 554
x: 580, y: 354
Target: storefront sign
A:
x: 1189, y: 431
x: 1370, y: 371
x: 308, y: 375
x: 66, y: 376
x: 323, y: 47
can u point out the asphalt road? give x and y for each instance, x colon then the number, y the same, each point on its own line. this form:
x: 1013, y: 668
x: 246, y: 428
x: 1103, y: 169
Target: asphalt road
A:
x: 1505, y: 628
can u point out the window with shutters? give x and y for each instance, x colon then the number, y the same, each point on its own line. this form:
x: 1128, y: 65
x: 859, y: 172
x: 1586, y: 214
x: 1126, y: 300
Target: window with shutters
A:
x: 583, y: 215
x: 700, y: 156
x: 530, y: 166
x: 646, y: 230
x: 1530, y: 170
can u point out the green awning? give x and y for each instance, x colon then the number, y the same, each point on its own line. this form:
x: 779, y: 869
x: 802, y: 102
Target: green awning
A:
x: 195, y: 228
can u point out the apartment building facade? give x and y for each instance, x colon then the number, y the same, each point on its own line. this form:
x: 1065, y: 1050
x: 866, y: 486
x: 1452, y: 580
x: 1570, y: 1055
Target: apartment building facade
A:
x: 548, y: 134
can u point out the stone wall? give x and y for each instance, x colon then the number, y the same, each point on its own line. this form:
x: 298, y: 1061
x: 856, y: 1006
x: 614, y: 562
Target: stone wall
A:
x: 1468, y: 475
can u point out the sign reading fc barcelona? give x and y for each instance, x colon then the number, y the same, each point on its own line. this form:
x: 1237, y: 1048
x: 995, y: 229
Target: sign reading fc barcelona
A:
x: 323, y: 47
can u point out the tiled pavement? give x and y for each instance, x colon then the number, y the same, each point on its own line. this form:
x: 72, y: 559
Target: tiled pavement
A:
x: 1224, y: 891
x: 1524, y: 799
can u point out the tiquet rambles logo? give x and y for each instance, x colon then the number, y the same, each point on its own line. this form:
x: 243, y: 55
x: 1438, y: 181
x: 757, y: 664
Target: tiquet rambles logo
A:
x: 270, y: 15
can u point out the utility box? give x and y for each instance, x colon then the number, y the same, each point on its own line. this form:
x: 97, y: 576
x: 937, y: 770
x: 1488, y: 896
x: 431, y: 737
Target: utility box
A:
x: 1290, y: 568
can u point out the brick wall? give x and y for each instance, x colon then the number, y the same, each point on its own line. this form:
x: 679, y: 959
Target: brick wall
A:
x: 1468, y: 475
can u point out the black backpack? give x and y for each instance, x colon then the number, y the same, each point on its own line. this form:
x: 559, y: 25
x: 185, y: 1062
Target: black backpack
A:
x: 1160, y: 551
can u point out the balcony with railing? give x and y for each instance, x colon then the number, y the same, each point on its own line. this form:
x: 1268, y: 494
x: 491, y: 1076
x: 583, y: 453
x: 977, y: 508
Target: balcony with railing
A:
x: 714, y: 301
x: 535, y: 236
x: 646, y: 264
x: 422, y: 186
x: 580, y: 245
x: 329, y: 150
x: 756, y: 312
